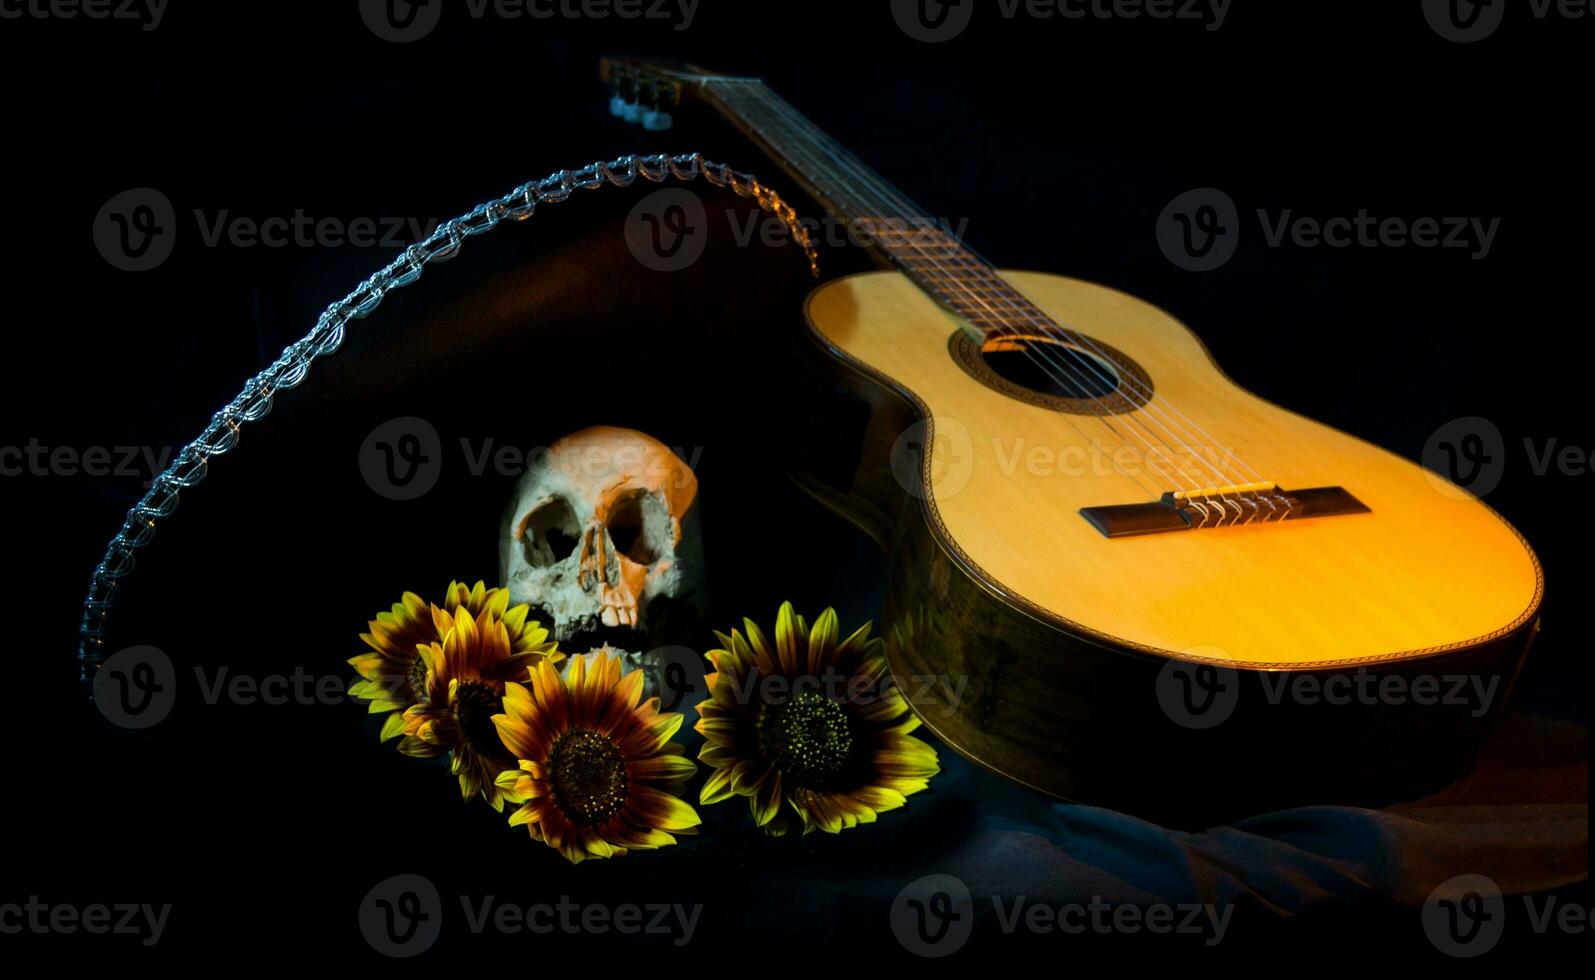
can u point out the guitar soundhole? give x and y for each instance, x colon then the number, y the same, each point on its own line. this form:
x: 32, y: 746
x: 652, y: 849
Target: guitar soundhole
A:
x: 1083, y: 377
x: 1050, y: 368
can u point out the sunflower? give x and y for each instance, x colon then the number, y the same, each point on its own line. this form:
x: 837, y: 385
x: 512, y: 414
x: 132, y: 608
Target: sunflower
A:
x: 394, y: 675
x: 598, y: 773
x: 810, y: 730
x: 463, y: 681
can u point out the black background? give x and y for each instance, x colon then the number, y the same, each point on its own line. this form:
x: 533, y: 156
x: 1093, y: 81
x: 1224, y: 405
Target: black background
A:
x: 1060, y: 141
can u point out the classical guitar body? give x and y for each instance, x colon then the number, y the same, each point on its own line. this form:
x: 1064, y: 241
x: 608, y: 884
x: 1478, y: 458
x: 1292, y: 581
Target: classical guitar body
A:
x: 1117, y: 577
x: 1036, y: 644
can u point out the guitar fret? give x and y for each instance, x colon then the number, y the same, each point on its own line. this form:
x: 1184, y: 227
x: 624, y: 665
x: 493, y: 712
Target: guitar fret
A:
x: 927, y: 252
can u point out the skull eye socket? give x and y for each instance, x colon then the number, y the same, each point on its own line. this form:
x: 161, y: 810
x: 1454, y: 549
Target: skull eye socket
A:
x: 639, y: 525
x: 550, y: 533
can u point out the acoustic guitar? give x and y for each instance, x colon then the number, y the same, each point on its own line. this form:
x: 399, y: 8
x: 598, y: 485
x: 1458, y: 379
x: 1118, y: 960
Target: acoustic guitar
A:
x: 1116, y: 576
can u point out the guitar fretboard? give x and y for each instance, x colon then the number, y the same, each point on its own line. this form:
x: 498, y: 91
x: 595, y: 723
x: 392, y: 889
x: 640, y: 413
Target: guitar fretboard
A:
x: 877, y: 215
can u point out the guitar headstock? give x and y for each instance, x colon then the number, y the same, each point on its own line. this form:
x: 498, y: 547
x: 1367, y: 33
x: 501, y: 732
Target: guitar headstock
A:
x: 647, y: 91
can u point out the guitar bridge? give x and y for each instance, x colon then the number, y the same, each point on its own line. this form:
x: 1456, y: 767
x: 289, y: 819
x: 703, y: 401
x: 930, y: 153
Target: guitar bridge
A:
x: 1227, y: 506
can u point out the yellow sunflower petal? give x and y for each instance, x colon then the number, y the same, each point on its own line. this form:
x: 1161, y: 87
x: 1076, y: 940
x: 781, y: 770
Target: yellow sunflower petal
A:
x: 664, y: 767
x: 716, y: 788
x: 497, y: 605
x: 515, y: 618
x: 748, y: 775
x: 442, y: 620
x: 393, y: 727
x: 629, y: 690
x: 420, y: 748
x: 786, y: 639
x: 855, y: 642
x: 822, y: 640
x: 516, y: 735
x: 766, y: 800
x: 879, y: 797
x: 761, y: 653
x: 661, y: 810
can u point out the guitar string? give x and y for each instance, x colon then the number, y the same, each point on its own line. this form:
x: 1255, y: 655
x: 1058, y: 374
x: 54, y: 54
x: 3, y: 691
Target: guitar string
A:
x: 1154, y: 491
x: 1037, y: 318
x: 995, y: 316
x: 1028, y: 351
x: 1032, y: 316
x: 1002, y: 322
x: 1155, y: 408
x: 841, y: 155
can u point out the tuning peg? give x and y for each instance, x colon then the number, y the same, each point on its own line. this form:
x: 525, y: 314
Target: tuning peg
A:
x: 633, y: 112
x: 617, y: 106
x: 656, y: 120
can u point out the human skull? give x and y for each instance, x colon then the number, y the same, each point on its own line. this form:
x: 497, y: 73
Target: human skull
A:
x: 601, y: 525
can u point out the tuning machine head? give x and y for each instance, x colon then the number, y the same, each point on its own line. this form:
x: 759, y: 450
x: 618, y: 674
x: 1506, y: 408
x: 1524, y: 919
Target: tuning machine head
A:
x: 637, y: 97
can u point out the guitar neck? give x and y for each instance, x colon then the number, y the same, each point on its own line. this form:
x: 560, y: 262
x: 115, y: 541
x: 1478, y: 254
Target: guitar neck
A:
x: 877, y: 215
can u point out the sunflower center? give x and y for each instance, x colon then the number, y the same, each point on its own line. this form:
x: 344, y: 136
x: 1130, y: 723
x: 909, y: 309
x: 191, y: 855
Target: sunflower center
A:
x: 588, y: 776
x: 475, y: 704
x: 807, y: 738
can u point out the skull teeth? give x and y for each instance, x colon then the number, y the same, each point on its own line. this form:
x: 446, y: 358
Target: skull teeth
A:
x: 619, y: 616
